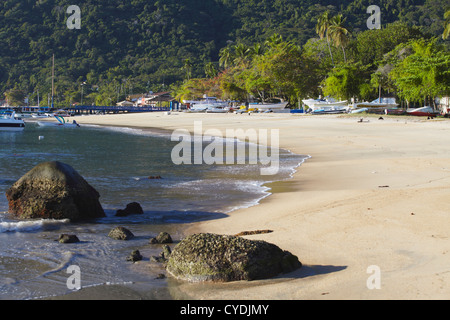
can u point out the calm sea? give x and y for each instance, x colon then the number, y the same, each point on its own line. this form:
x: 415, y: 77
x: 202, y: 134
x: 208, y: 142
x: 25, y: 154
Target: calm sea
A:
x: 117, y: 163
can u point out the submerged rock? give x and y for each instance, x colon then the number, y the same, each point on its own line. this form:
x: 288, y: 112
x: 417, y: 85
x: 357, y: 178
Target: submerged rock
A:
x: 121, y: 233
x: 68, y: 238
x: 131, y: 208
x: 212, y: 257
x: 54, y: 190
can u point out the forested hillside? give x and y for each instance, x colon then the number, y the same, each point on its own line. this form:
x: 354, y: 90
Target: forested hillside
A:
x: 133, y: 46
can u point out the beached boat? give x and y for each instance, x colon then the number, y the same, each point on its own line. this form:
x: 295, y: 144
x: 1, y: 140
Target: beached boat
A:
x: 325, y: 104
x: 9, y: 122
x: 60, y: 123
x: 208, y: 103
x: 359, y: 110
x: 268, y: 106
x: 217, y: 109
x: 333, y: 110
x: 423, y: 111
x: 386, y: 103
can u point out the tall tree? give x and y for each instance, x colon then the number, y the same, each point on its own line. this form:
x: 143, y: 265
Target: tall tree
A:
x: 322, y: 29
x: 446, y: 32
x: 187, y: 67
x: 225, y: 57
x: 424, y: 73
x: 338, y: 33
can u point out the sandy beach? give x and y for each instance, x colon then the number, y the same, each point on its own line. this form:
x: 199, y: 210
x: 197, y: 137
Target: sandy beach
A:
x: 373, y: 193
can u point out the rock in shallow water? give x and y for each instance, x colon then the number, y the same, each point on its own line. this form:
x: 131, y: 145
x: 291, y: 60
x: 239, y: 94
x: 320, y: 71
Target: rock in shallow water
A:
x: 131, y: 208
x: 121, y: 233
x: 212, y: 257
x: 54, y: 190
x: 68, y: 238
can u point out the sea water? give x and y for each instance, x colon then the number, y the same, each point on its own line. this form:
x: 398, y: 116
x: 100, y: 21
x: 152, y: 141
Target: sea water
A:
x: 118, y: 163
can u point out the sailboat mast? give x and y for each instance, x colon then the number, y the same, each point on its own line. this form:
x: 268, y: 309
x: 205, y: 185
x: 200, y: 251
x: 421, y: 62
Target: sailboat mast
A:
x: 53, y: 78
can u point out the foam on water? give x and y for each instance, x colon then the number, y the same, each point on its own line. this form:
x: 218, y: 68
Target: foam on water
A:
x: 30, y: 226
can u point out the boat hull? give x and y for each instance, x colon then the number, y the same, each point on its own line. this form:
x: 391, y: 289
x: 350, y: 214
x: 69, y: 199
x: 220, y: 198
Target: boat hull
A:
x: 11, y: 128
x: 423, y: 112
x: 11, y: 123
x: 273, y: 106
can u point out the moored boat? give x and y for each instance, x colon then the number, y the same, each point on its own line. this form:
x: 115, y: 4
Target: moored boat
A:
x: 60, y: 123
x: 9, y: 122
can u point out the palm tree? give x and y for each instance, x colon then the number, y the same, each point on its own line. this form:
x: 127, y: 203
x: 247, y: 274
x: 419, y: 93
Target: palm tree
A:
x: 187, y: 67
x: 242, y: 53
x: 226, y: 57
x: 446, y: 33
x: 210, y: 70
x: 257, y: 49
x: 274, y: 40
x: 338, y: 33
x: 322, y: 29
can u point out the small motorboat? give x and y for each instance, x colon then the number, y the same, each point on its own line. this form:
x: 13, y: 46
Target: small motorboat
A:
x: 9, y: 122
x: 60, y: 123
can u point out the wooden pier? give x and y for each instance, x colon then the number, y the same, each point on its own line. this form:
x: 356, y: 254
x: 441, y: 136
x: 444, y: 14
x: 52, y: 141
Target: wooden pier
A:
x: 113, y: 109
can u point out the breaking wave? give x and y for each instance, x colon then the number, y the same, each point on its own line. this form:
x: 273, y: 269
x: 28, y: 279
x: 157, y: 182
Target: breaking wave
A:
x: 30, y: 226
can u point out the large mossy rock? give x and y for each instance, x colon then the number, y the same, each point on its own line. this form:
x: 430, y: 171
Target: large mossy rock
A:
x: 213, y: 257
x: 54, y: 190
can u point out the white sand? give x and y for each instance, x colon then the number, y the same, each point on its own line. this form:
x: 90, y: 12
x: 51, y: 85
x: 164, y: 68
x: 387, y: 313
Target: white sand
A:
x: 373, y: 193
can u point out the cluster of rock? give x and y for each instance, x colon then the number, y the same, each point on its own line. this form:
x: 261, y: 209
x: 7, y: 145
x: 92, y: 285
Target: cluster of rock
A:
x: 54, y: 190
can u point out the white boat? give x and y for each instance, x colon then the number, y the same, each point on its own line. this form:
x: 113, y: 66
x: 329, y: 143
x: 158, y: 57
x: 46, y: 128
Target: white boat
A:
x: 60, y: 123
x: 330, y: 110
x: 328, y: 104
x: 217, y: 109
x: 9, y: 122
x: 268, y: 106
x: 208, y: 103
x: 388, y: 103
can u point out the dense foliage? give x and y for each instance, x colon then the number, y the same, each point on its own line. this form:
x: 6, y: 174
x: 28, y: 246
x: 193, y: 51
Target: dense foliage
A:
x: 134, y: 46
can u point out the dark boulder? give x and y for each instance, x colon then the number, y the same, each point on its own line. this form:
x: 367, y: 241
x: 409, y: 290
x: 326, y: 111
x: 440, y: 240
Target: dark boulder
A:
x: 212, y: 257
x: 68, y: 238
x: 135, y: 256
x: 54, y: 190
x: 121, y: 233
x: 131, y: 208
x: 162, y: 237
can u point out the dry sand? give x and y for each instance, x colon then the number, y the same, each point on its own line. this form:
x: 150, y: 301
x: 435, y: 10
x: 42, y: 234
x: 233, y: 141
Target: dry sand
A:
x: 372, y: 193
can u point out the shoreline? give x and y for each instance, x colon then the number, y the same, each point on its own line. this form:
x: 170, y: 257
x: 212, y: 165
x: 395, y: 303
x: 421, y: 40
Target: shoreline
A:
x: 372, y: 193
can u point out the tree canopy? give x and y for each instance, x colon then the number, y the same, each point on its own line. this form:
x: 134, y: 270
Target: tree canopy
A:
x: 126, y: 47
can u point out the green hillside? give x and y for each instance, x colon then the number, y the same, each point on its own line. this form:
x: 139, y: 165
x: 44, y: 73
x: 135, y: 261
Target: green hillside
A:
x: 133, y: 46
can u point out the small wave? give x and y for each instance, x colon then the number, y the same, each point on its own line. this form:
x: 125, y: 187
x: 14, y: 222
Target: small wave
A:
x: 29, y: 226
